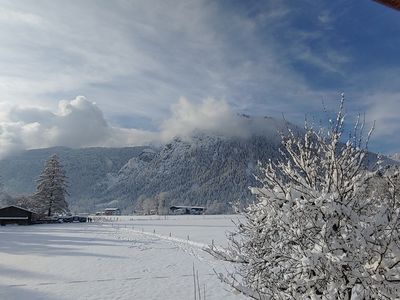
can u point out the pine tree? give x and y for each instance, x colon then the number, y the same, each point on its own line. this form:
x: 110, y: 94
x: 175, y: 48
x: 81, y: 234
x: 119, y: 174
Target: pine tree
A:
x: 313, y: 233
x: 51, y: 189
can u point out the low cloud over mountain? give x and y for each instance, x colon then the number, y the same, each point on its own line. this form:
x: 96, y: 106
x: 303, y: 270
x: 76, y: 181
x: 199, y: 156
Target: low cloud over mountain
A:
x: 81, y: 123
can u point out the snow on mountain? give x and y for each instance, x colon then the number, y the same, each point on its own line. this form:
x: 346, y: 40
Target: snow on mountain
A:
x: 204, y: 169
x: 207, y: 170
x: 85, y: 168
x: 395, y: 156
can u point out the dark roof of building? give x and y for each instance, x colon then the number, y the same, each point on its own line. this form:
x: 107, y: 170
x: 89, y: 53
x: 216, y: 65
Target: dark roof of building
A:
x: 19, y: 207
x: 188, y: 207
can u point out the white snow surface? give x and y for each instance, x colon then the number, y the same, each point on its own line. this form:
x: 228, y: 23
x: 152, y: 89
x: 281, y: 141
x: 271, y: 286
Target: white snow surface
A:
x: 114, y: 259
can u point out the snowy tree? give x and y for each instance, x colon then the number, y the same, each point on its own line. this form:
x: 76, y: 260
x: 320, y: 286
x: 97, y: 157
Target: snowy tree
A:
x: 161, y: 199
x: 27, y: 202
x: 51, y: 189
x: 313, y: 234
x: 147, y: 205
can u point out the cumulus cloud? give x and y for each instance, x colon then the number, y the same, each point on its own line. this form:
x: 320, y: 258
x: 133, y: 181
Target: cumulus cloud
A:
x: 77, y: 123
x: 150, y: 53
x: 213, y: 116
x: 81, y: 123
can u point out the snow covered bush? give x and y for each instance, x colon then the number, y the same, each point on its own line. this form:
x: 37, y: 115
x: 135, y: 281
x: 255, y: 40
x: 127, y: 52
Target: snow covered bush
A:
x: 313, y: 234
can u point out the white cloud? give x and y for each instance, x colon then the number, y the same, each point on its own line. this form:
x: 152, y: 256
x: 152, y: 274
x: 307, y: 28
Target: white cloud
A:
x: 77, y: 123
x: 138, y: 57
x: 325, y: 17
x: 213, y: 116
x: 19, y: 17
x: 147, y: 55
x: 384, y: 108
x: 80, y: 123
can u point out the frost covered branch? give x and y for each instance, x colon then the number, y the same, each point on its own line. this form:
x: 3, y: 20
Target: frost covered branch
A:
x: 319, y: 228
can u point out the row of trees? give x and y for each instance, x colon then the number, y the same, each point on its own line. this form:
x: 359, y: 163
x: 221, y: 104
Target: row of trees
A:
x: 324, y: 226
x: 51, y: 190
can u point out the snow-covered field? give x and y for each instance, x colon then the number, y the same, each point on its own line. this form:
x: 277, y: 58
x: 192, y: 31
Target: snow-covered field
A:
x: 129, y: 258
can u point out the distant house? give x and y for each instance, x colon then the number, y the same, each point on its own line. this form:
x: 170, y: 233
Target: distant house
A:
x: 112, y: 211
x: 76, y: 218
x: 187, y: 210
x: 16, y: 215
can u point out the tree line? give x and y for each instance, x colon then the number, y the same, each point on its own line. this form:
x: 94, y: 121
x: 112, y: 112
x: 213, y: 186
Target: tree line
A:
x: 49, y: 198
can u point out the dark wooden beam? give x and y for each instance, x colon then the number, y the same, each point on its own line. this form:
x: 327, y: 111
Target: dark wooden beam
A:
x: 390, y: 3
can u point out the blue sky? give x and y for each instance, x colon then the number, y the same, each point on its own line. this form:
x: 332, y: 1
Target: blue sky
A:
x: 139, y: 63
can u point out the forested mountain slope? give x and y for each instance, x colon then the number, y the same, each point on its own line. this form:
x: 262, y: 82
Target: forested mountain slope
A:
x: 207, y: 169
x: 84, y: 168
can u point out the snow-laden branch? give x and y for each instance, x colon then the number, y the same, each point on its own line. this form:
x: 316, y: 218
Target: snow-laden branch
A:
x: 320, y: 228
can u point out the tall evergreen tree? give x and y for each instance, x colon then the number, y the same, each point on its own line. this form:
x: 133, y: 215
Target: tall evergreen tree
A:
x: 52, y: 188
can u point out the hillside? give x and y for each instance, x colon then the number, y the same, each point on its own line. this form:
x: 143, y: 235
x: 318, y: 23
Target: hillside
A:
x: 84, y: 167
x: 395, y: 157
x: 207, y: 169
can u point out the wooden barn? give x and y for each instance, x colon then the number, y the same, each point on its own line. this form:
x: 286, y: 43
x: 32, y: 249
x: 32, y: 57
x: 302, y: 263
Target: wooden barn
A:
x: 16, y: 215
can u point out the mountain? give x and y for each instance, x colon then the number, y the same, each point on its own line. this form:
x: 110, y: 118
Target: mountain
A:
x: 84, y: 167
x: 395, y: 157
x: 206, y: 169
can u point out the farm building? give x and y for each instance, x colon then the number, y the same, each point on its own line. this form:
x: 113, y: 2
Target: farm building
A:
x: 187, y: 210
x: 112, y: 212
x: 16, y: 215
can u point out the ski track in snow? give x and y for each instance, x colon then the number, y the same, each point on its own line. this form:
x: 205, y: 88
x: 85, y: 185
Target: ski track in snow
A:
x: 188, y: 246
x: 110, y: 261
